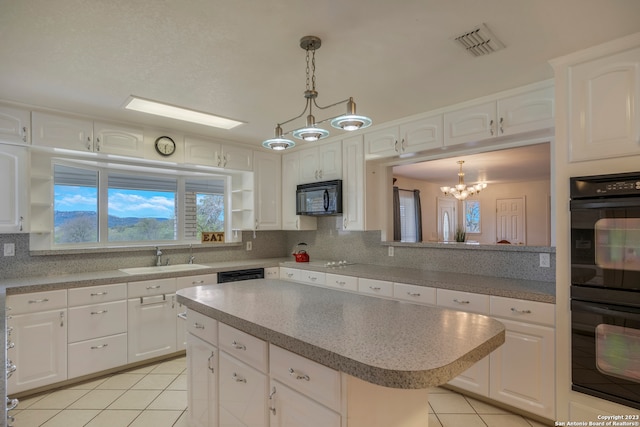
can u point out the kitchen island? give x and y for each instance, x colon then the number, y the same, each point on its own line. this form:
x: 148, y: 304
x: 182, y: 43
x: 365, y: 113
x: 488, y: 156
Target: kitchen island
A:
x: 388, y: 353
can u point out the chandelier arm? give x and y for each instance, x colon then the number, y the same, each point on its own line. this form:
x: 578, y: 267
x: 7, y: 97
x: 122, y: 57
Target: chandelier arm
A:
x: 331, y: 105
x: 306, y: 106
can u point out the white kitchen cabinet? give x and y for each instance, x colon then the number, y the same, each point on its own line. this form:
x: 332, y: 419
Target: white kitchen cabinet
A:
x: 15, y: 125
x: 272, y: 273
x: 151, y: 322
x: 380, y: 288
x: 604, y: 104
x: 288, y: 408
x: 244, y: 347
x: 411, y: 137
x: 14, y: 187
x: 243, y: 402
x: 312, y: 277
x: 268, y: 191
x: 202, y: 382
x: 38, y: 328
x: 415, y: 294
x: 290, y: 181
x: 529, y: 110
x: 181, y: 317
x: 321, y: 163
x: 523, y: 368
x: 292, y: 274
x: 345, y: 283
x: 56, y: 131
x: 210, y: 152
x: 353, y: 185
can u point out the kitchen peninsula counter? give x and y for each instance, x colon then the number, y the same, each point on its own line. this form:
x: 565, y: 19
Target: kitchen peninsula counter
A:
x: 384, y: 342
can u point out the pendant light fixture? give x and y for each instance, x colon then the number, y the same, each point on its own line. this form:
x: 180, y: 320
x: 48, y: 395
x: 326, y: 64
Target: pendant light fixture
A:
x: 312, y: 132
x: 461, y: 191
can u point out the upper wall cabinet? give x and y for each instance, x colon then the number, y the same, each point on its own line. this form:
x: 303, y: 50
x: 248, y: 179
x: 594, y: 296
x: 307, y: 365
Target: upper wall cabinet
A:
x: 268, y: 191
x: 321, y: 163
x: 603, y: 92
x: 411, y: 137
x: 55, y: 131
x: 15, y: 125
x: 290, y: 177
x: 14, y: 187
x: 212, y: 153
x: 524, y: 112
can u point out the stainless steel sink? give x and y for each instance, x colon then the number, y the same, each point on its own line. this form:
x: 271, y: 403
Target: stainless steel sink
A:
x: 162, y: 268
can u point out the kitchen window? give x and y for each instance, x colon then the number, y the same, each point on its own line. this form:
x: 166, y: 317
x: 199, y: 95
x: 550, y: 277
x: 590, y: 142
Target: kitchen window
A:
x: 108, y: 206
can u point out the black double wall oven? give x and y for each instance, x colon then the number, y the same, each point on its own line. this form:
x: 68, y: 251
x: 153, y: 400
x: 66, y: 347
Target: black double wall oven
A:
x: 605, y: 287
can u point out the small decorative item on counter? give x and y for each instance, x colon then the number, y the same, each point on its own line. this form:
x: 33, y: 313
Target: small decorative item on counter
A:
x: 212, y: 237
x: 300, y: 254
x: 461, y: 235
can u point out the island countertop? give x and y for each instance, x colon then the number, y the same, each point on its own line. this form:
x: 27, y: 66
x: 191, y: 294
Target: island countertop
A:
x: 384, y: 342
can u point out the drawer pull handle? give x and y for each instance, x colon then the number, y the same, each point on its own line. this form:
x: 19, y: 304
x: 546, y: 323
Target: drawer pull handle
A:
x: 313, y: 279
x: 164, y: 300
x: 289, y: 275
x: 183, y: 315
x: 98, y: 347
x: 456, y: 300
x: 272, y: 407
x: 97, y: 294
x: 196, y: 282
x: 238, y: 346
x: 209, y: 362
x: 11, y: 404
x: 375, y: 288
x: 198, y: 325
x: 413, y: 294
x: 153, y: 287
x: 298, y: 376
x: 341, y: 283
x: 38, y: 301
x: 237, y: 378
x: 99, y: 312
x: 515, y: 310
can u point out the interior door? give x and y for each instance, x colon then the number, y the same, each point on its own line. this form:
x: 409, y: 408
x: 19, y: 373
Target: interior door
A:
x: 447, y: 219
x: 510, y: 220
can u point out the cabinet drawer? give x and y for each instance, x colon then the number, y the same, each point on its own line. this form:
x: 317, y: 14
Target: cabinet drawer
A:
x: 346, y: 283
x: 98, y: 320
x: 201, y: 279
x: 312, y: 277
x: 413, y: 293
x: 152, y: 287
x: 96, y: 355
x: 202, y: 326
x: 37, y: 301
x: 289, y: 273
x: 306, y: 376
x: 293, y: 409
x: 97, y: 294
x: 272, y: 272
x: 243, y: 393
x: 375, y: 287
x: 463, y: 301
x: 245, y: 347
x: 523, y: 310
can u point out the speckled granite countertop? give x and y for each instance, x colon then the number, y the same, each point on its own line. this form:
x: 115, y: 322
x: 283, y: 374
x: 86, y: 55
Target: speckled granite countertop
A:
x: 511, y: 288
x: 384, y: 342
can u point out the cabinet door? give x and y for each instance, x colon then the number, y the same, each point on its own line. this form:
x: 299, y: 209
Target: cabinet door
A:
x: 604, y: 113
x: 289, y: 408
x: 40, y: 351
x: 151, y: 327
x: 14, y: 172
x: 526, y: 112
x: 470, y: 124
x: 118, y: 139
x: 238, y: 158
x: 308, y: 166
x: 268, y: 191
x: 243, y: 401
x: 353, y: 185
x: 202, y: 152
x: 523, y: 369
x: 475, y: 379
x: 420, y: 135
x: 290, y: 176
x: 202, y: 383
x: 14, y: 125
x: 330, y: 161
x: 382, y: 143
x: 61, y: 132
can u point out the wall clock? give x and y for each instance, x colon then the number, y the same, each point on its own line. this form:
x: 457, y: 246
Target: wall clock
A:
x: 165, y: 146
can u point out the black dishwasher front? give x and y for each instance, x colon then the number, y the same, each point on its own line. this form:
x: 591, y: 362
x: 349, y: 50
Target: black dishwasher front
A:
x: 237, y: 275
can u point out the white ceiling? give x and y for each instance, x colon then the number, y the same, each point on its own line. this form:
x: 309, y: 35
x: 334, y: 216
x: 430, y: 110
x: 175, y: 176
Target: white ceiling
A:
x: 241, y: 59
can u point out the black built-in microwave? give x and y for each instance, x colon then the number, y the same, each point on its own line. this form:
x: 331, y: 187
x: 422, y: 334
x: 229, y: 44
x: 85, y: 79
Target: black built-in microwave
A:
x: 319, y: 198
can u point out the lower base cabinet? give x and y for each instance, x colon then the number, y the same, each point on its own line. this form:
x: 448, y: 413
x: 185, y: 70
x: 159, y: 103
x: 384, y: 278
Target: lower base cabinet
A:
x: 151, y: 327
x: 243, y: 396
x: 288, y: 408
x: 202, y: 382
x: 99, y: 354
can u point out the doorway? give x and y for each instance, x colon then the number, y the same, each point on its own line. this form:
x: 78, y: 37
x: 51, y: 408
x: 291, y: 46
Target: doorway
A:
x: 510, y: 220
x: 447, y: 219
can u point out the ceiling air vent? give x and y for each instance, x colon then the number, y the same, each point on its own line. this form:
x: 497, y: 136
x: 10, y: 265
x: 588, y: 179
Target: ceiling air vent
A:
x: 479, y: 41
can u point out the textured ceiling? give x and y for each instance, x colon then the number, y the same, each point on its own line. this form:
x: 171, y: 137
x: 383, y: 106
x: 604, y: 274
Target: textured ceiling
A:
x: 241, y: 59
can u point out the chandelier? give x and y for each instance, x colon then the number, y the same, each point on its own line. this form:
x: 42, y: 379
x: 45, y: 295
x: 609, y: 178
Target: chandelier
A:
x: 311, y: 132
x: 461, y: 191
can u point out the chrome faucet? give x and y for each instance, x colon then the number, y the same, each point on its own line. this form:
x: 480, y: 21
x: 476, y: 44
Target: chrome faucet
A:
x: 191, y: 257
x: 158, y: 257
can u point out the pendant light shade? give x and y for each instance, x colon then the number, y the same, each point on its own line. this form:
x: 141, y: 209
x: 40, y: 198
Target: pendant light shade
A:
x: 312, y: 131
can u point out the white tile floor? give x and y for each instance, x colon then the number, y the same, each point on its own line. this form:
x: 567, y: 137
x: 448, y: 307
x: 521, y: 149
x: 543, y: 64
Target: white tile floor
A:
x: 155, y: 395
